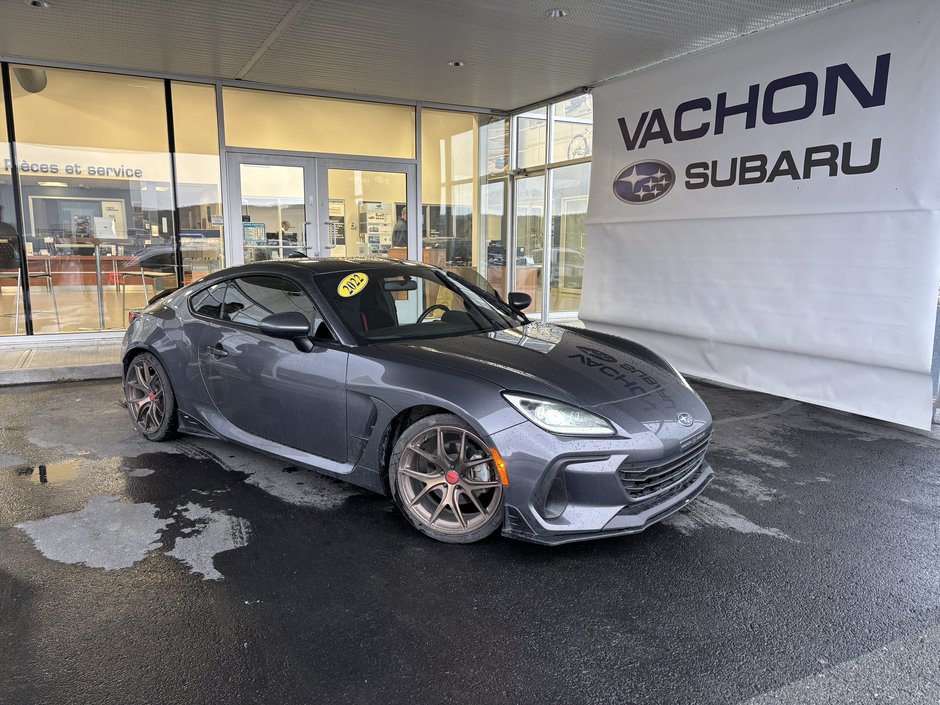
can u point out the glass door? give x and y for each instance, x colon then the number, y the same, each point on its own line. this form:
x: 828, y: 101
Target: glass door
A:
x: 275, y: 207
x: 364, y: 209
x: 317, y: 207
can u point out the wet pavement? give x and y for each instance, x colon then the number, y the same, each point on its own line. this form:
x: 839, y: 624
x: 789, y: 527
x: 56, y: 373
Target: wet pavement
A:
x: 194, y: 571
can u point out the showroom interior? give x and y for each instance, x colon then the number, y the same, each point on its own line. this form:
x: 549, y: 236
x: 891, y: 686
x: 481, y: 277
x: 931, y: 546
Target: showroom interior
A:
x: 118, y: 205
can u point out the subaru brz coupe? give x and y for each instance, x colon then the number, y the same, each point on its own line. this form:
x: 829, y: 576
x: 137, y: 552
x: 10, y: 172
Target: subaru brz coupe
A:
x: 409, y: 380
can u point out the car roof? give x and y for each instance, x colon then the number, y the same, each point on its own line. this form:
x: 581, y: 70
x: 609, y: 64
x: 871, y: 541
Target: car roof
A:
x: 316, y: 266
x: 342, y: 264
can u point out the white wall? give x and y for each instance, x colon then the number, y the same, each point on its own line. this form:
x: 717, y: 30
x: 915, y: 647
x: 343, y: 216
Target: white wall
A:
x: 821, y: 289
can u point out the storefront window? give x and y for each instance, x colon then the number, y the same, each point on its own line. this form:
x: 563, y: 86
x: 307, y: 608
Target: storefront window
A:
x: 494, y: 199
x: 573, y: 129
x: 560, y: 260
x: 449, y: 147
x: 494, y: 138
x: 530, y: 238
x: 531, y: 135
x: 494, y: 227
x: 96, y: 195
x: 570, y: 187
x: 198, y: 181
x: 300, y: 123
x: 12, y: 319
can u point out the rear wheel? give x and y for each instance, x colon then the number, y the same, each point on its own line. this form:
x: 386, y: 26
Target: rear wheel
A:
x: 444, y: 480
x: 150, y: 399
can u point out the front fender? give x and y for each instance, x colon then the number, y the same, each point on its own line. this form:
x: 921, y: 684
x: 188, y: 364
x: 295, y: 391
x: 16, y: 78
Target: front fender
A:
x: 402, y: 386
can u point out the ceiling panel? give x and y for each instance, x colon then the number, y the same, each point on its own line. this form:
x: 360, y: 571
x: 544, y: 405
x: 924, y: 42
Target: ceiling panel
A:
x: 170, y: 36
x: 514, y: 54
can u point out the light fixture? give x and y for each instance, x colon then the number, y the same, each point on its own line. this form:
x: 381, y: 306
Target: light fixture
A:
x: 32, y: 80
x: 456, y: 64
x: 39, y: 4
x: 60, y: 184
x: 557, y: 13
x: 162, y: 188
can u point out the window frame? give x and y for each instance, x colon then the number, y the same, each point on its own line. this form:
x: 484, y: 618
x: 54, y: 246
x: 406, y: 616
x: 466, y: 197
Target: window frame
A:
x: 189, y: 299
x: 334, y: 339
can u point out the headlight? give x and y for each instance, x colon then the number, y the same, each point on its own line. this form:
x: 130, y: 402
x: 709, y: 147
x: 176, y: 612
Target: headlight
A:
x: 560, y: 418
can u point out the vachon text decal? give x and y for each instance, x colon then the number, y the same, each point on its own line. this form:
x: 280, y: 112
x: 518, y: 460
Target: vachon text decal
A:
x: 806, y: 95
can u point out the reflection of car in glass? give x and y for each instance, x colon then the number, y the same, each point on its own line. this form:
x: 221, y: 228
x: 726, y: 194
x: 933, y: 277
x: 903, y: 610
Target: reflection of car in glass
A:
x: 162, y: 256
x: 567, y: 266
x: 406, y: 379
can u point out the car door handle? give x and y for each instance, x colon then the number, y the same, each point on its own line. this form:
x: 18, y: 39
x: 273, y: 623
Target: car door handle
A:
x: 217, y: 350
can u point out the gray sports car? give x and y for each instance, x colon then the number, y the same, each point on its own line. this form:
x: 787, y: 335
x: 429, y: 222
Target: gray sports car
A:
x: 409, y: 380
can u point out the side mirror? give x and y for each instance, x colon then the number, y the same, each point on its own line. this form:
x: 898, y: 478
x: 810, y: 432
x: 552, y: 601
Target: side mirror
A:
x: 292, y: 325
x: 519, y: 300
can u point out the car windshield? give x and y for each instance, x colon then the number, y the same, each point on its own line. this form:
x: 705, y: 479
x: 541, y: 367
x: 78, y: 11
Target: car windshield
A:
x: 410, y: 302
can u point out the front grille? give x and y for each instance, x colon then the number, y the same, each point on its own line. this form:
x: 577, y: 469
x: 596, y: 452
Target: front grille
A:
x: 642, y: 480
x: 635, y: 508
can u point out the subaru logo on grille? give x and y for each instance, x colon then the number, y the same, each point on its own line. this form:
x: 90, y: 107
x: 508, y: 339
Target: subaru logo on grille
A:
x: 685, y: 419
x: 644, y: 182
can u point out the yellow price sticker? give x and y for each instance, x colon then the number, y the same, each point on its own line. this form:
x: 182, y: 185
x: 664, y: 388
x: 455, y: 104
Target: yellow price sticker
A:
x: 352, y: 284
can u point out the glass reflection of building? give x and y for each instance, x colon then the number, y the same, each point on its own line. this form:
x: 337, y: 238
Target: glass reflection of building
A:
x: 118, y: 190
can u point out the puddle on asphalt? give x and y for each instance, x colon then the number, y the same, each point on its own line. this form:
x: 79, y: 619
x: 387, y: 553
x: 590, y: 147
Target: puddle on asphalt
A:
x: 112, y: 534
x: 105, y: 533
x: 121, y: 524
x: 112, y: 530
x: 51, y: 473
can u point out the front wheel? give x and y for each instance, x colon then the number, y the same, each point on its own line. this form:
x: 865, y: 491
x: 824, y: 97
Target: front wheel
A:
x: 444, y: 480
x: 150, y: 399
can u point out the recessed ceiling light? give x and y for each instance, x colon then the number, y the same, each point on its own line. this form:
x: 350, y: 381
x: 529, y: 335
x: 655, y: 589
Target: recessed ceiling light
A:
x: 456, y: 64
x: 60, y: 184
x: 39, y: 4
x: 557, y: 13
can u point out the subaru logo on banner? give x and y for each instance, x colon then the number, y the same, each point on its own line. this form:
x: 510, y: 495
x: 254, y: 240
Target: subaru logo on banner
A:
x: 644, y: 182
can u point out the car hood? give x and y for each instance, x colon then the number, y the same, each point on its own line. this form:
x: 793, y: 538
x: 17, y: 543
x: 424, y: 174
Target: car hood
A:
x: 626, y: 381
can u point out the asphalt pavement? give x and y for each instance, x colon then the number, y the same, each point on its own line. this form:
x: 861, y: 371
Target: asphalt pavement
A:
x: 198, y: 572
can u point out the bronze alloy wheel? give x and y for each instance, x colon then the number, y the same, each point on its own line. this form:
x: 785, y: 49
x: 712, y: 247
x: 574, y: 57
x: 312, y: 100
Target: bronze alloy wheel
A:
x: 447, y: 483
x: 149, y: 398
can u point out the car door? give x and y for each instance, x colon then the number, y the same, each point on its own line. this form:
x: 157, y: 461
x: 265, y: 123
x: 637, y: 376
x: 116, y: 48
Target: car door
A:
x: 266, y: 386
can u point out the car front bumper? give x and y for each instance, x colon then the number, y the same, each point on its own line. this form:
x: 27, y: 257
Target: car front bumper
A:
x: 563, y: 490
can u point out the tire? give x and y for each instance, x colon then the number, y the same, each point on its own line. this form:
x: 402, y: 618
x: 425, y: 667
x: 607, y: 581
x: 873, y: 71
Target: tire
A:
x: 150, y: 399
x: 450, y: 498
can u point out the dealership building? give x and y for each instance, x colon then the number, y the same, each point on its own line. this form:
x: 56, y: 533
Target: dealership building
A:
x: 746, y: 187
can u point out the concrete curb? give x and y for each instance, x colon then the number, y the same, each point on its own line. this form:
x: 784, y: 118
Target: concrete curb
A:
x: 76, y: 373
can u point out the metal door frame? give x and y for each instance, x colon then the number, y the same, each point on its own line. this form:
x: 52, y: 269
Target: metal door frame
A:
x: 234, y: 243
x: 316, y: 195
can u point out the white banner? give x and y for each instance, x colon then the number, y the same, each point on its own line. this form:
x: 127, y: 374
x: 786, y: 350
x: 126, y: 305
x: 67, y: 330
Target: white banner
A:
x: 765, y: 214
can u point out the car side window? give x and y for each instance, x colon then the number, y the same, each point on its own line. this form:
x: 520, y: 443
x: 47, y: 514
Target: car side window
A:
x: 208, y: 302
x: 249, y: 300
